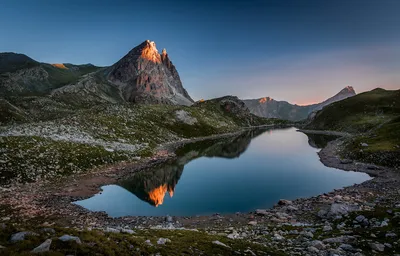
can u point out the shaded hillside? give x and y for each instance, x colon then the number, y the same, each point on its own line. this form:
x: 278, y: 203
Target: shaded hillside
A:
x: 270, y: 108
x: 83, y: 139
x: 26, y: 77
x: 11, y: 62
x: 359, y: 113
x: 374, y: 117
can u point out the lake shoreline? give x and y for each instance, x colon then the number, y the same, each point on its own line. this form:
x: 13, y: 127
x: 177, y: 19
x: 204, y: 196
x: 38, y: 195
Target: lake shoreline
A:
x: 51, y: 202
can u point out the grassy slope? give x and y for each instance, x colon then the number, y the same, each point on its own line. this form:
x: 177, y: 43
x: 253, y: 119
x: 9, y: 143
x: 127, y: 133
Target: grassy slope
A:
x: 98, y: 242
x: 30, y: 155
x: 375, y: 117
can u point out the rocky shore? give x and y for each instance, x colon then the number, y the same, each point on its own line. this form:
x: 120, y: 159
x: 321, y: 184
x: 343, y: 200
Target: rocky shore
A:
x: 363, y: 219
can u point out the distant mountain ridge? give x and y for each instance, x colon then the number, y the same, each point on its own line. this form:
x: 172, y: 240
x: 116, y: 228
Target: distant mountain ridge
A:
x: 141, y: 76
x: 270, y: 108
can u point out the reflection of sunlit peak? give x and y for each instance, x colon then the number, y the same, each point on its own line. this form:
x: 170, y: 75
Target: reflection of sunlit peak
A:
x: 171, y: 191
x: 157, y: 194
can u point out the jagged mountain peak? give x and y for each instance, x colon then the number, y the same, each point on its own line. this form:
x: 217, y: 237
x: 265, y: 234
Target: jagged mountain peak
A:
x: 145, y: 75
x: 268, y: 107
x: 347, y: 89
x: 265, y: 100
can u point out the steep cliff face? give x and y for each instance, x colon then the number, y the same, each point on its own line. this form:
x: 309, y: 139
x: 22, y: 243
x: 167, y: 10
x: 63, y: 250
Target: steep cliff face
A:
x: 268, y: 107
x: 145, y: 75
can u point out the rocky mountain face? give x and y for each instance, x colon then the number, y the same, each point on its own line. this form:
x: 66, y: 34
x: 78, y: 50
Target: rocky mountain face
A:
x: 270, y: 108
x: 141, y: 76
x: 144, y: 75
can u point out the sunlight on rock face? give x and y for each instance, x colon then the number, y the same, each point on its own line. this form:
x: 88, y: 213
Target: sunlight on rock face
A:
x: 157, y: 195
x: 263, y: 100
x: 150, y: 52
x: 59, y: 65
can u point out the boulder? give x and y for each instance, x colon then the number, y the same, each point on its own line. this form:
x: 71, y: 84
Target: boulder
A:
x: 44, y: 247
x: 20, y: 236
x: 68, y: 238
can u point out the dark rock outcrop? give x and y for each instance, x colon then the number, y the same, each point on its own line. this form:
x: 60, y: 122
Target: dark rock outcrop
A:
x: 144, y: 75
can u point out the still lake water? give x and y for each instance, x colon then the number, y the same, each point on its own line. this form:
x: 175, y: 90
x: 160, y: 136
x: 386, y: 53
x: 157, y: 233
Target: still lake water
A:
x: 239, y: 174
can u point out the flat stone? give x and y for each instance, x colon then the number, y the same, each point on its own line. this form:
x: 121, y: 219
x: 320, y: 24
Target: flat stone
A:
x: 285, y: 202
x: 48, y: 230
x: 261, y: 212
x: 67, y: 238
x: 360, y: 218
x: 252, y: 223
x: 339, y: 239
x: 347, y: 247
x: 377, y: 247
x: 44, y: 247
x: 127, y: 231
x: 220, y: 244
x: 163, y: 241
x: 112, y: 230
x: 20, y: 236
x: 326, y: 228
x: 317, y: 244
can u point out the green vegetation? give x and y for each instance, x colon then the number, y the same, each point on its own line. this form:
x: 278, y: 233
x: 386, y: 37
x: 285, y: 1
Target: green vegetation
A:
x: 98, y: 242
x: 59, y: 77
x: 360, y: 113
x: 75, y: 140
x: 374, y: 117
x: 383, y: 145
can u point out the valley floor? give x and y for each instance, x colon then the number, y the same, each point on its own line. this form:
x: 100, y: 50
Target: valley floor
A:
x: 363, y: 219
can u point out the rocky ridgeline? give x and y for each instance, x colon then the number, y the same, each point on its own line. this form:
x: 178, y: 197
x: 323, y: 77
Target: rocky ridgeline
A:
x: 268, y: 107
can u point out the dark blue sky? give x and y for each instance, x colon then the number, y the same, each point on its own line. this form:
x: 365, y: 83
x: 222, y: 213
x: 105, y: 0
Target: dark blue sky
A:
x: 302, y: 51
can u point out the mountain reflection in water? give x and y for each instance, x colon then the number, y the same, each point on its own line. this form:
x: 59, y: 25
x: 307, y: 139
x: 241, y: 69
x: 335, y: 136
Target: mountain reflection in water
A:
x: 152, y: 185
x: 240, y: 173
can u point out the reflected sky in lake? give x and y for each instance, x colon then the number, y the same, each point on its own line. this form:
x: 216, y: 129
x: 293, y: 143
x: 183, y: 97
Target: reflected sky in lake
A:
x: 239, y: 174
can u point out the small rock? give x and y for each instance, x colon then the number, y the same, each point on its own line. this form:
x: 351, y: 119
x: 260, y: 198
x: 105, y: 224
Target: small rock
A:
x: 112, y: 230
x: 20, y: 236
x: 148, y: 242
x: 251, y: 252
x: 390, y: 235
x: 364, y: 144
x: 284, y: 202
x: 339, y: 239
x: 48, y: 230
x: 252, y: 223
x: 387, y: 245
x: 384, y: 224
x: 326, y: 228
x: 220, y: 244
x: 168, y: 218
x: 67, y: 238
x: 347, y: 247
x: 346, y: 161
x: 44, y: 247
x: 317, y: 244
x: 360, y: 218
x: 261, y: 212
x: 163, y: 241
x: 307, y: 234
x: 312, y: 249
x: 127, y: 231
x: 278, y: 237
x: 377, y: 247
